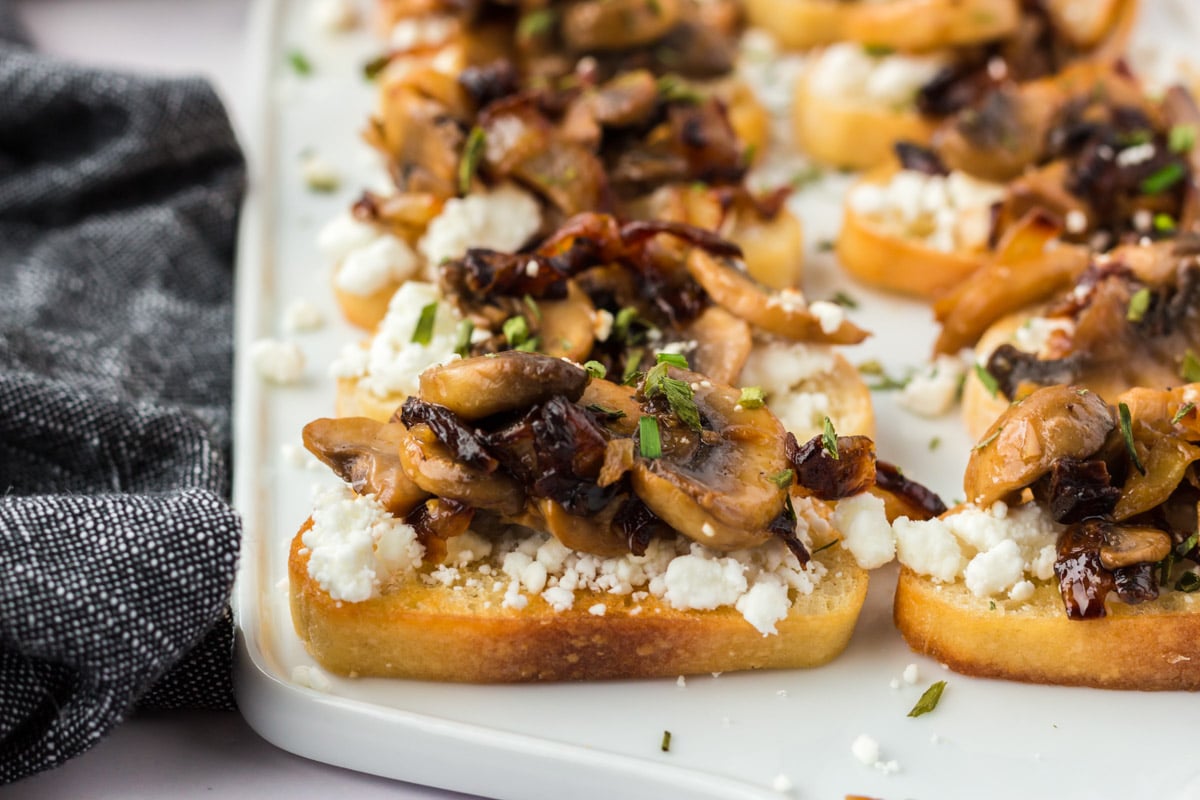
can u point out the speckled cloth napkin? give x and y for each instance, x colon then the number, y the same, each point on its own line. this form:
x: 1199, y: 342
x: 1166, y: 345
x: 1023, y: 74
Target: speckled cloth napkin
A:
x: 118, y: 206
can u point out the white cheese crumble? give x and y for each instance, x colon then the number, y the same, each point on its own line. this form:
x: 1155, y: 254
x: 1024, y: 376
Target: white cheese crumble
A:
x: 865, y: 749
x: 681, y: 682
x: 310, y: 677
x: 502, y: 219
x: 786, y: 372
x: 421, y: 32
x: 344, y: 234
x: 704, y: 583
x: 394, y: 362
x: 847, y: 72
x: 278, y: 361
x: 384, y: 260
x: 333, y: 16
x: 1036, y: 333
x: 356, y: 547
x: 946, y: 213
x: 933, y: 391
x: 1136, y: 154
x: 866, y: 531
x: 301, y: 316
x: 911, y: 674
x: 830, y: 315
x: 996, y: 551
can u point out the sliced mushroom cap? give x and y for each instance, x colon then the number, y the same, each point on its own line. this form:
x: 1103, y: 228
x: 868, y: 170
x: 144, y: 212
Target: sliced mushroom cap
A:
x: 718, y: 490
x: 366, y: 454
x: 475, y: 388
x: 587, y: 534
x: 784, y: 313
x: 1126, y: 545
x: 723, y: 344
x: 430, y: 465
x: 1020, y: 446
x: 608, y: 395
x: 617, y: 24
x: 565, y: 328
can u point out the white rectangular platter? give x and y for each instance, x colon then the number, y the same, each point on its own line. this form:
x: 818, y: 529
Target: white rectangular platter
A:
x: 762, y: 735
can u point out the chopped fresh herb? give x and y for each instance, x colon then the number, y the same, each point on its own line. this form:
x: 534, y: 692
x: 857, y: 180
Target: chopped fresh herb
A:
x: 423, y: 332
x: 1183, y: 411
x: 678, y: 394
x: 1190, y: 370
x: 825, y: 246
x: 987, y: 379
x: 516, y: 331
x: 886, y: 382
x: 666, y: 740
x: 595, y: 369
x: 1182, y: 138
x: 844, y: 300
x: 825, y: 546
x: 929, y: 700
x: 529, y: 345
x: 752, y: 397
x: 1186, y: 545
x: 536, y: 22
x: 749, y: 151
x: 299, y: 63
x: 1127, y: 433
x: 783, y: 479
x: 1188, y: 582
x: 655, y: 7
x: 621, y: 322
x: 935, y: 443
x: 673, y: 359
x: 462, y: 341
x: 611, y: 413
x: 789, y: 511
x: 649, y: 441
x: 532, y: 305
x: 878, y: 50
x: 633, y: 361
x: 674, y: 89
x: 376, y: 65
x: 871, y: 367
x: 1164, y: 178
x: 988, y: 440
x: 991, y: 605
x: 1163, y: 222
x: 829, y: 440
x: 807, y: 176
x: 472, y: 152
x: 1134, y: 138
x: 1164, y: 569
x: 1139, y: 304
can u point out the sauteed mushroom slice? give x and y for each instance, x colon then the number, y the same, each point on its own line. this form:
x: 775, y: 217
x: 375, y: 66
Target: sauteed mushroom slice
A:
x: 593, y: 25
x: 617, y: 402
x: 1023, y: 444
x: 475, y: 388
x: 431, y: 465
x: 723, y: 344
x: 715, y: 486
x: 565, y: 327
x: 1126, y: 545
x: 594, y: 534
x: 784, y: 313
x: 366, y: 454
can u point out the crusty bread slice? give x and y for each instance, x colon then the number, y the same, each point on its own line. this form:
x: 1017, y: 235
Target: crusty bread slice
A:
x: 1151, y: 646
x: 425, y: 632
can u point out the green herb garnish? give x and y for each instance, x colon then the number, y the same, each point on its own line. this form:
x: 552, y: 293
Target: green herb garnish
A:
x: 649, y: 441
x: 536, y: 22
x: 1127, y: 433
x: 988, y: 440
x: 666, y: 740
x: 673, y: 89
x: 672, y: 359
x: 632, y: 362
x: 929, y: 700
x: 829, y: 440
x: 1163, y: 222
x: 825, y: 546
x: 987, y: 379
x: 423, y: 332
x: 1138, y: 305
x: 807, y: 176
x: 991, y: 605
x: 1181, y: 138
x: 532, y: 305
x: 1164, y: 178
x: 752, y: 397
x: 878, y: 50
x: 516, y: 331
x: 783, y: 479
x: 376, y: 65
x: 825, y: 246
x: 749, y: 152
x: 935, y: 443
x: 1183, y: 411
x: 677, y: 392
x: 844, y: 300
x: 1190, y: 369
x: 472, y: 152
x: 462, y: 340
x: 1188, y: 582
x: 622, y: 321
x: 299, y: 63
x: 595, y: 370
x: 611, y: 413
x: 1186, y: 545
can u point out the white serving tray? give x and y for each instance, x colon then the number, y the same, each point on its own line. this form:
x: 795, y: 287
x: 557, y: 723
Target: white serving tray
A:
x: 732, y: 735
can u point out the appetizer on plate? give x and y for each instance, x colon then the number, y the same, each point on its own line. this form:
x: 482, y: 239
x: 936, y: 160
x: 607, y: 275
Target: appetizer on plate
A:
x: 1073, y: 560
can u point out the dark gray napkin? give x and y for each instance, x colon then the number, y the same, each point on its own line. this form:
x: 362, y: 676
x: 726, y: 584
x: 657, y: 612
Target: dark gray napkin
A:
x: 118, y: 206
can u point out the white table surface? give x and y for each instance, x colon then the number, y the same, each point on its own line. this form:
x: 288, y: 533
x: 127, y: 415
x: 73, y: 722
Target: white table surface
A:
x: 196, y: 754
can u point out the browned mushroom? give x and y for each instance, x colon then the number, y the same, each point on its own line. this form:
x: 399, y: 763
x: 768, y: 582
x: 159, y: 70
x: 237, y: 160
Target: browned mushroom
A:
x: 474, y: 388
x: 590, y: 25
x: 366, y: 454
x: 432, y: 466
x: 1125, y: 545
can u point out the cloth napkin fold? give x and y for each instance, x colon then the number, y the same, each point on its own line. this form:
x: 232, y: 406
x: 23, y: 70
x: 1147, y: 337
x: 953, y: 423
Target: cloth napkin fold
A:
x: 118, y: 207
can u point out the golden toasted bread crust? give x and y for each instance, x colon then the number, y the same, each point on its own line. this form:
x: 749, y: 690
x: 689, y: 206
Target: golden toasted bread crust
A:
x: 1151, y: 646
x: 436, y: 633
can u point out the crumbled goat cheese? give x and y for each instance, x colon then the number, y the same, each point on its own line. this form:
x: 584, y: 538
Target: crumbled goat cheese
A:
x: 865, y: 749
x: 764, y: 604
x: 302, y: 316
x: 1076, y: 221
x: 310, y: 677
x: 278, y: 361
x: 502, y: 219
x: 787, y: 372
x: 1137, y: 154
x: 993, y: 549
x: 830, y: 315
x: 911, y: 674
x: 420, y: 32
x: 602, y: 325
x: 947, y: 213
x: 394, y: 361
x: 344, y: 234
x: 703, y: 583
x: 598, y: 610
x: 1021, y: 591
x: 932, y: 391
x: 356, y: 546
x: 866, y: 531
x: 383, y: 261
x: 1035, y: 334
x: 319, y: 174
x: 847, y: 72
x: 681, y: 682
x: 333, y: 16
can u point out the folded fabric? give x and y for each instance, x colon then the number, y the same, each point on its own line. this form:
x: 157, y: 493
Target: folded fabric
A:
x: 118, y: 207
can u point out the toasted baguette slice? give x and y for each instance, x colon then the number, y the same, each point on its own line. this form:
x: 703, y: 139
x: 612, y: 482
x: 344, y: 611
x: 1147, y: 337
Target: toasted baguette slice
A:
x: 1151, y: 646
x: 414, y: 630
